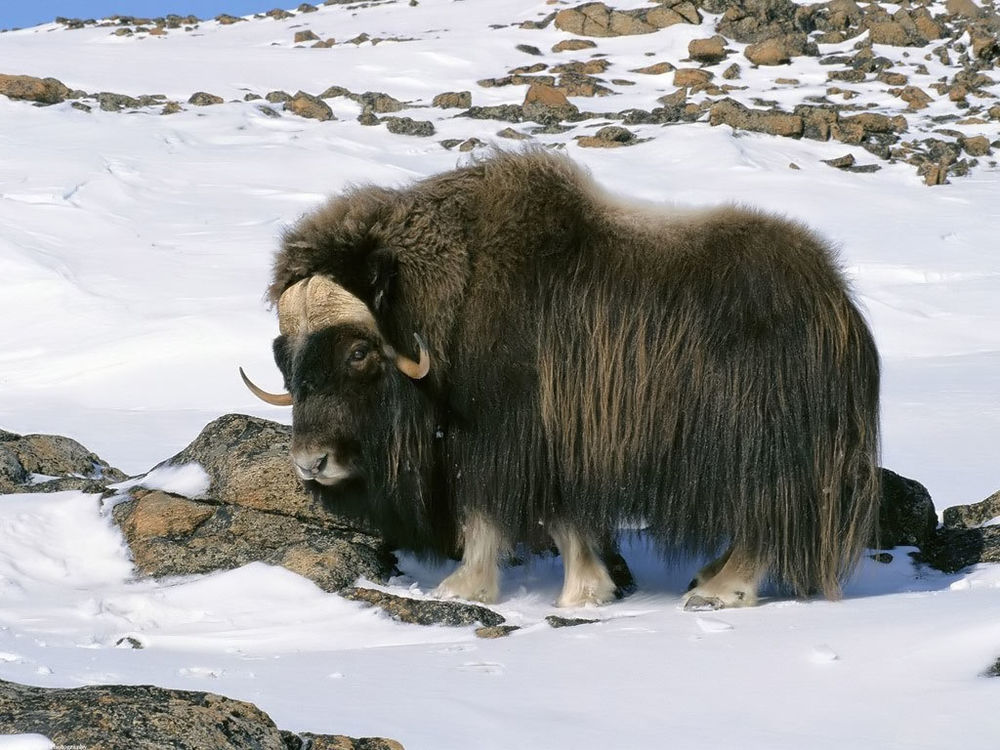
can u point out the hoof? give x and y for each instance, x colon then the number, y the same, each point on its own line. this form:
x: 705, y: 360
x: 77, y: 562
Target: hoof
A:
x: 699, y: 603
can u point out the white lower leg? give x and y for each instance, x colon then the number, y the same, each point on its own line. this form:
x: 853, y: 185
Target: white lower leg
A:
x: 585, y: 577
x: 734, y: 584
x: 478, y: 576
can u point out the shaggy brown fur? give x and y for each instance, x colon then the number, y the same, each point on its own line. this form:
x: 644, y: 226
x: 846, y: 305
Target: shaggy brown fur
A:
x: 705, y: 372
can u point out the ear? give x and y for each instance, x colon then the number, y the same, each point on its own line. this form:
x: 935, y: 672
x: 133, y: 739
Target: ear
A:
x: 381, y: 277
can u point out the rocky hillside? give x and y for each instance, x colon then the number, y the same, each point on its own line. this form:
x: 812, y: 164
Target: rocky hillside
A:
x: 914, y: 82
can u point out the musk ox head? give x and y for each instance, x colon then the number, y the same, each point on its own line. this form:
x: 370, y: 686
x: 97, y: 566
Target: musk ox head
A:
x: 337, y: 367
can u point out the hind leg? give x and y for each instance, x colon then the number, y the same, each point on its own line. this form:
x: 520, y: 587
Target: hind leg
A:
x: 710, y: 570
x: 478, y: 576
x: 585, y: 577
x: 734, y: 583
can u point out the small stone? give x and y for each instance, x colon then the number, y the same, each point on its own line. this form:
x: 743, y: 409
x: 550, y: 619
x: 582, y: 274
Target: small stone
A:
x: 573, y: 45
x: 470, y: 144
x: 915, y: 97
x: 840, y: 162
x: 707, y: 51
x: 171, y: 108
x: 978, y: 145
x: 732, y: 72
x: 309, y: 106
x: 692, y: 77
x: 654, y: 70
x: 513, y: 134
x: 409, y: 126
x: 882, y: 557
x: 453, y: 100
x: 768, y: 52
x: 567, y: 622
x: 892, y: 79
x: 497, y: 631
x: 305, y: 36
x: 278, y: 97
x: 204, y: 99
x: 610, y: 136
x: 528, y: 49
x: 793, y: 165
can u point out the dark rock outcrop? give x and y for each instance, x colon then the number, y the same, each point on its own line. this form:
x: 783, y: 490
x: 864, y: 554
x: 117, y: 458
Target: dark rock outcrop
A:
x: 255, y: 510
x: 51, y: 463
x: 144, y: 717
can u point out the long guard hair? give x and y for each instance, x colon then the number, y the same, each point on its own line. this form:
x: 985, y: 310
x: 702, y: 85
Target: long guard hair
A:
x: 705, y: 373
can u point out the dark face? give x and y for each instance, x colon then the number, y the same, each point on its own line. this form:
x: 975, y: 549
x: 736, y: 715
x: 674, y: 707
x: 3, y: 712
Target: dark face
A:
x: 334, y: 376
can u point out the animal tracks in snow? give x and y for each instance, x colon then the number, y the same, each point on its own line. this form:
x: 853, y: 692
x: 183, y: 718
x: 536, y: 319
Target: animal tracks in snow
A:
x: 483, y: 667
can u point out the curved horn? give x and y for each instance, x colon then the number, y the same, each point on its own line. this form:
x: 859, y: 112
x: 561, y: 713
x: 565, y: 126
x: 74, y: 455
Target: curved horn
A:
x: 415, y: 370
x: 275, y: 399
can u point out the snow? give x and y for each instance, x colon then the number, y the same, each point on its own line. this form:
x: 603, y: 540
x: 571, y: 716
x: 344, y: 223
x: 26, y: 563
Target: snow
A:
x: 134, y: 253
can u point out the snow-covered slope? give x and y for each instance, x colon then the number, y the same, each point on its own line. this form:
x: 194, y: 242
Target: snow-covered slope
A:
x: 134, y: 252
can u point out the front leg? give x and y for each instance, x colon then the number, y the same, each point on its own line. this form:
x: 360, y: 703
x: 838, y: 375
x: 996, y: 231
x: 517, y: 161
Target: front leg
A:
x: 478, y: 576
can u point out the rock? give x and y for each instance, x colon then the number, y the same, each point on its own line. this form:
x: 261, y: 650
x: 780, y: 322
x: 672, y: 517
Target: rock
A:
x: 409, y: 126
x: 204, y: 99
x: 111, y: 102
x: 513, y: 134
x: 502, y: 112
x: 453, y: 99
x: 71, y: 465
x: 470, y: 144
x: 610, y: 136
x: 656, y: 69
x: 753, y: 21
x: 951, y: 550
x: 841, y: 162
x: 247, y: 461
x: 590, y: 67
x: 307, y: 105
x: 306, y: 8
x: 497, y: 631
x: 597, y: 19
x: 151, y: 717
x: 907, y: 516
x: 974, y: 515
x: 302, y: 37
x: 576, y: 84
x: 768, y: 52
x: 171, y: 108
x: 29, y: 88
x: 573, y: 45
x: 707, y: 51
x: 544, y: 103
x: 915, y: 97
x: 309, y: 741
x: 277, y: 97
x: 978, y: 145
x: 692, y: 78
x: 227, y: 20
x: 567, y: 622
x: 334, y: 91
x: 528, y: 49
x: 732, y: 72
x: 964, y: 8
x: 993, y: 671
x: 278, y: 14
x: 425, y: 611
x: 774, y: 122
x: 378, y: 102
x: 255, y: 511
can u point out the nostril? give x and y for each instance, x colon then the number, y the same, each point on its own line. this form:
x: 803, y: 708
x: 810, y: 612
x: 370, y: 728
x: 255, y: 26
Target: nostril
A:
x: 320, y: 464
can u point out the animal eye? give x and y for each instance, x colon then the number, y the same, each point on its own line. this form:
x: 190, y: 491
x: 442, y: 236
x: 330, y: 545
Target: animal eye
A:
x: 359, y: 353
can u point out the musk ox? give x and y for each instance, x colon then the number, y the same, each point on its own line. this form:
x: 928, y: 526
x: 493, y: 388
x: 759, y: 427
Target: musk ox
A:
x: 504, y: 348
